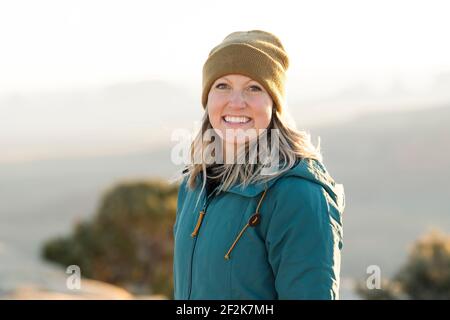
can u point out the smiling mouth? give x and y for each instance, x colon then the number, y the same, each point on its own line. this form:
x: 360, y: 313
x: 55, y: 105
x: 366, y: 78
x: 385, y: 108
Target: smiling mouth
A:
x: 236, y: 119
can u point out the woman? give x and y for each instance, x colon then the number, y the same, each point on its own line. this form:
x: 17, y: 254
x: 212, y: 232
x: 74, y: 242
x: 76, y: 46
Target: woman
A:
x: 248, y: 231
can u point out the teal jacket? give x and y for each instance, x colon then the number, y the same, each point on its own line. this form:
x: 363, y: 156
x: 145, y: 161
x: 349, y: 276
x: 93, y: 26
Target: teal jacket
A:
x: 291, y: 248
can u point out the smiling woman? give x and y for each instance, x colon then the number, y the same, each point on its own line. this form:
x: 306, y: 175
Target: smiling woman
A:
x: 255, y: 235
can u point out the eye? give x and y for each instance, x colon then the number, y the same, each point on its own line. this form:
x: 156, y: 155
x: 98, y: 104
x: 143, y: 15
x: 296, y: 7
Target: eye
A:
x: 218, y: 86
x: 256, y: 88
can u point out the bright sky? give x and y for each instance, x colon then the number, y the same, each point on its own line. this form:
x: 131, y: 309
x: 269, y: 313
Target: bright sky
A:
x: 64, y: 44
x: 334, y: 46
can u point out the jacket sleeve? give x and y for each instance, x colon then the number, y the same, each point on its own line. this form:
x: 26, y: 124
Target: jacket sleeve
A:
x: 304, y: 241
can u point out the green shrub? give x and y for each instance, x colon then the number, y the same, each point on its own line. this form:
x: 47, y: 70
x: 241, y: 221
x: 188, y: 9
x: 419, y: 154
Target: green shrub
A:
x: 426, y: 274
x: 128, y: 242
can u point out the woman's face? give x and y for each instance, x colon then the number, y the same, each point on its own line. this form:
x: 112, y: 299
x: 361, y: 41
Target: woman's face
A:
x: 238, y: 102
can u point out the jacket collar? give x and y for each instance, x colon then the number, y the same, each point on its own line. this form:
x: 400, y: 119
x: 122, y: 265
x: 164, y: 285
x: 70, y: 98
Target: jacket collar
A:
x: 309, y: 169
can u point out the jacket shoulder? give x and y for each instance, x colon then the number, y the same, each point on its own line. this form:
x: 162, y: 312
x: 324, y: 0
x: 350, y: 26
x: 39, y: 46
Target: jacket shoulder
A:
x: 294, y: 198
x: 296, y: 190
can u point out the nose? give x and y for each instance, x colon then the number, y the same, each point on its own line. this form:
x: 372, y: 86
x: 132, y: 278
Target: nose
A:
x: 237, y: 99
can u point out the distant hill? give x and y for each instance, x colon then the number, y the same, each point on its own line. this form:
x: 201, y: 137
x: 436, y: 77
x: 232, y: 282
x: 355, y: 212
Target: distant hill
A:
x: 125, y: 116
x: 134, y: 115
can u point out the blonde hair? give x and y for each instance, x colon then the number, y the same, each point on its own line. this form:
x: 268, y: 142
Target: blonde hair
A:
x: 294, y: 144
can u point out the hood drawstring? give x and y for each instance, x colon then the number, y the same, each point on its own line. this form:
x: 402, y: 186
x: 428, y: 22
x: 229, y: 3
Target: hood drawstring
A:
x: 199, y: 223
x: 202, y: 214
x: 253, y: 221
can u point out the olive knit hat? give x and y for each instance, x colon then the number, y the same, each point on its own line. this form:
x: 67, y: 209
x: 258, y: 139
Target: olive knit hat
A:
x: 256, y: 54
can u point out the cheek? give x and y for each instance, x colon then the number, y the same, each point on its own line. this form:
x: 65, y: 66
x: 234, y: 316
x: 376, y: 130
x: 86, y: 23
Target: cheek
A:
x: 214, y: 112
x: 262, y: 117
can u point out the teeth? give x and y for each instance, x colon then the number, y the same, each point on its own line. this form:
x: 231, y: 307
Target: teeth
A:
x: 236, y: 119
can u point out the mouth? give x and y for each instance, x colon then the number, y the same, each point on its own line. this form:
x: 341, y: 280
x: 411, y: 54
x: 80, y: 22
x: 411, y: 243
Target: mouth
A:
x: 236, y: 120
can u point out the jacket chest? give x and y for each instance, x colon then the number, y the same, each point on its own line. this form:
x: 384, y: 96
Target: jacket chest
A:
x: 214, y: 226
x: 216, y: 246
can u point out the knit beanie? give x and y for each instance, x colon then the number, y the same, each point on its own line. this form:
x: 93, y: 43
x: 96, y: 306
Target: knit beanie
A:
x: 256, y: 54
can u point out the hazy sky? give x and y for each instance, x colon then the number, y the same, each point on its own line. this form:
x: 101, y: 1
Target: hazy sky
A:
x: 66, y: 44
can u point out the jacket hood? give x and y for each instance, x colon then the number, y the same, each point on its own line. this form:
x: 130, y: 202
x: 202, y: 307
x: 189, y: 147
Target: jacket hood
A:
x: 309, y: 169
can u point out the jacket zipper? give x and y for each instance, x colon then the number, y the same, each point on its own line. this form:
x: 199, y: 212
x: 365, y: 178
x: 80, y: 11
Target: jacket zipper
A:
x: 194, y: 234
